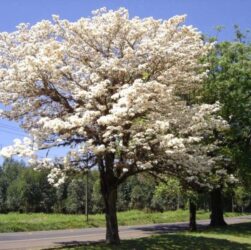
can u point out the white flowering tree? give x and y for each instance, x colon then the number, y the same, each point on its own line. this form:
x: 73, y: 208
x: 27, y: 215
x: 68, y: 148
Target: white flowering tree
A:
x: 199, y: 164
x: 106, y: 87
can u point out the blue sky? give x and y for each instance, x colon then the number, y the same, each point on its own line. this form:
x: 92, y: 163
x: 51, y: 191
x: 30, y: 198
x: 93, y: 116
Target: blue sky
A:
x: 203, y: 14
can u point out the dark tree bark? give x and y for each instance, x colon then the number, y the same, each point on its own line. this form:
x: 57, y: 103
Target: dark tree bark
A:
x: 217, y: 218
x: 192, y: 215
x: 112, y: 232
x: 109, y: 187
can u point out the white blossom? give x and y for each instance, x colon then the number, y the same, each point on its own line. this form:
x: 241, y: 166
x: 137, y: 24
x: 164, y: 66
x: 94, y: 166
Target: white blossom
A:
x: 107, y: 85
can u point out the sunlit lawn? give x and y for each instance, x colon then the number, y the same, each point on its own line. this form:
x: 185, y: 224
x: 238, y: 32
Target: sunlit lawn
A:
x: 14, y: 222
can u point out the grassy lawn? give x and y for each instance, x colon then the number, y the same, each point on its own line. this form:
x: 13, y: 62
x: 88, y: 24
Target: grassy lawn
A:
x: 15, y: 222
x: 233, y: 237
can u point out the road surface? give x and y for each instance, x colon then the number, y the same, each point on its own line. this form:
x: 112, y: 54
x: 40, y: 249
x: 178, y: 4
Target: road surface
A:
x: 60, y: 238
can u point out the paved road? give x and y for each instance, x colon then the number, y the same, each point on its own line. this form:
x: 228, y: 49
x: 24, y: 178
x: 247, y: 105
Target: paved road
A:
x: 50, y: 239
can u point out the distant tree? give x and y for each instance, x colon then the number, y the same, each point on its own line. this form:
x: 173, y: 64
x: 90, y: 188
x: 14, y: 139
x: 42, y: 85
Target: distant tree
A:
x: 12, y: 169
x: 61, y: 196
x: 76, y: 195
x: 10, y: 186
x: 3, y: 192
x: 48, y: 193
x: 37, y: 194
x: 167, y: 195
x: 97, y: 199
x: 75, y: 202
x: 124, y: 193
x: 15, y: 195
x: 242, y: 198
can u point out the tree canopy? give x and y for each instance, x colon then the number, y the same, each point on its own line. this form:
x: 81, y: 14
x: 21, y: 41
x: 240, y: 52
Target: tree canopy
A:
x: 111, y: 88
x: 229, y: 81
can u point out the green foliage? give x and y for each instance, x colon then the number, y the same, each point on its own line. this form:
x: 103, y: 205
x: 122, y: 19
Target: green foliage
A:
x: 3, y: 192
x: 76, y: 194
x: 98, y: 204
x: 15, y: 195
x: 229, y: 82
x: 140, y: 121
x: 124, y: 193
x: 23, y: 189
x: 146, y: 76
x: 61, y: 196
x: 38, y: 195
x: 142, y: 192
x: 242, y: 198
x: 11, y: 169
x: 75, y: 202
x: 167, y: 195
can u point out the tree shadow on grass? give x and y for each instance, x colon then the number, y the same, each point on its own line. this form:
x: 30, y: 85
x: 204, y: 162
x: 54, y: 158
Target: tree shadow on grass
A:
x: 164, y: 242
x: 160, y: 229
x: 235, y: 230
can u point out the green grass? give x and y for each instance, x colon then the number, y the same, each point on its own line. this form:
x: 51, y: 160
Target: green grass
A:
x: 15, y: 222
x: 233, y: 237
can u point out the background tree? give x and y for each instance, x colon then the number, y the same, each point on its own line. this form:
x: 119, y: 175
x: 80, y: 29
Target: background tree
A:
x: 3, y: 192
x: 10, y: 186
x: 241, y: 198
x: 98, y: 202
x: 142, y: 192
x: 229, y: 82
x: 37, y: 193
x: 167, y: 195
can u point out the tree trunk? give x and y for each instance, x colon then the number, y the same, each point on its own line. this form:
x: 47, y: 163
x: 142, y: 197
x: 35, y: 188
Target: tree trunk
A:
x: 109, y: 188
x: 86, y: 198
x: 192, y: 215
x: 178, y: 201
x: 112, y: 232
x: 217, y: 218
x: 232, y: 204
